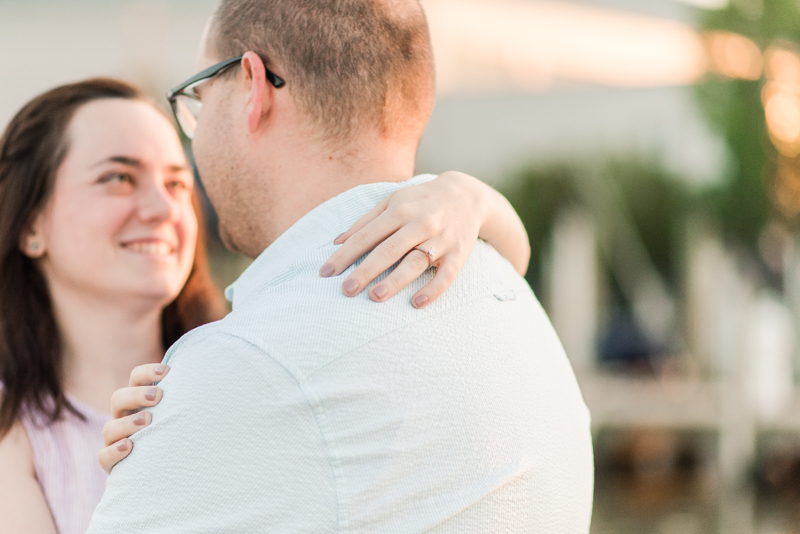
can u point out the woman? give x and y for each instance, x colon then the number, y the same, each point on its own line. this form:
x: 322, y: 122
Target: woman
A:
x: 102, y: 267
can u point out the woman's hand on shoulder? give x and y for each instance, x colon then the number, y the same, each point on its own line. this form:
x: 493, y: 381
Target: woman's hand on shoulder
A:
x: 443, y: 218
x: 127, y: 413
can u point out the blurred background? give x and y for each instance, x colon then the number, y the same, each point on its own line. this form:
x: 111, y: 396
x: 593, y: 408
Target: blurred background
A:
x: 651, y: 148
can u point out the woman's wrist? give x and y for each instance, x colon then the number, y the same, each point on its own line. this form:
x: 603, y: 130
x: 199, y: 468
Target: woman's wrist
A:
x: 501, y: 227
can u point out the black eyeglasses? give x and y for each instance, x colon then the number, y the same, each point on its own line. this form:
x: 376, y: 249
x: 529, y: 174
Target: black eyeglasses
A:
x: 186, y: 105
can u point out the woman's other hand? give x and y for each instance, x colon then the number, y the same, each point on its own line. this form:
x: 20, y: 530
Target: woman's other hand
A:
x: 444, y: 217
x: 126, y: 404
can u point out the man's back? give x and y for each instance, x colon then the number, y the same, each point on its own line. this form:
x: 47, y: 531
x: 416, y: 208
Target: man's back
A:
x: 349, y: 416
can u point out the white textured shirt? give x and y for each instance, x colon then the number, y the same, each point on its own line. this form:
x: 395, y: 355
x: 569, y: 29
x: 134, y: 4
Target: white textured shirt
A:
x: 307, y: 411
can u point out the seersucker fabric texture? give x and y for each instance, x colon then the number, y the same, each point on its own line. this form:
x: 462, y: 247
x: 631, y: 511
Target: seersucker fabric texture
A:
x: 304, y: 411
x: 65, y: 458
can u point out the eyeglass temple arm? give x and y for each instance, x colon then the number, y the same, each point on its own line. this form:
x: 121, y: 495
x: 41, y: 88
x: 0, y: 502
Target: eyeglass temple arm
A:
x: 273, y: 78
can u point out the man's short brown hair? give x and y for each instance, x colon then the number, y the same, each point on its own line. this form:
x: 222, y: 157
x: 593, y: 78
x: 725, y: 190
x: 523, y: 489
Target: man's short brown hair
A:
x: 350, y: 64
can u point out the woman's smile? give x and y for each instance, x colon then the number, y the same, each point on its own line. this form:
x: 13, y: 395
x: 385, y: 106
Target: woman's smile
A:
x: 150, y: 247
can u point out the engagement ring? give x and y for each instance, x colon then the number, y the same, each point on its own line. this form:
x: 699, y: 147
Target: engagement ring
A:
x: 428, y: 252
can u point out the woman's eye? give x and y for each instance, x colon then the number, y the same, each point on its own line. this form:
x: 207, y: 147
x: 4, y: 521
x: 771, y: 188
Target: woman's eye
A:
x: 117, y: 177
x: 177, y: 184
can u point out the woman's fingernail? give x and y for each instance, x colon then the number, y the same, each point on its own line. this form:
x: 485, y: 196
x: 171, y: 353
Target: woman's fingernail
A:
x: 159, y: 370
x: 327, y: 271
x: 339, y: 236
x: 139, y: 419
x: 351, y: 286
x: 122, y: 446
x: 421, y: 301
x: 150, y: 394
x: 380, y: 291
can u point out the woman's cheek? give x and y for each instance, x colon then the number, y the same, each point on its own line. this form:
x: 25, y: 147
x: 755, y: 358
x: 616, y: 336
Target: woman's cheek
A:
x: 81, y: 246
x: 86, y: 228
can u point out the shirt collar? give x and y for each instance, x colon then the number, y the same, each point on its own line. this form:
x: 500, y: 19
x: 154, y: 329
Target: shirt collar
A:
x: 318, y: 227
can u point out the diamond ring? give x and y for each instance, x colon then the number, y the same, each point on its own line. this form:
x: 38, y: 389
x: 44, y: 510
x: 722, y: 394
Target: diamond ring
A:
x: 428, y: 252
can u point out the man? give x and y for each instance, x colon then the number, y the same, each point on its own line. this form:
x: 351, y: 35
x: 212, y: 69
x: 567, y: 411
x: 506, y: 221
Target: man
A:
x: 303, y: 411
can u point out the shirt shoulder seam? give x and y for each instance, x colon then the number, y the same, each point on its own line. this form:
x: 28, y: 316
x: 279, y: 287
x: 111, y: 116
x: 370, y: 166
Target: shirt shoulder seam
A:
x: 328, y: 448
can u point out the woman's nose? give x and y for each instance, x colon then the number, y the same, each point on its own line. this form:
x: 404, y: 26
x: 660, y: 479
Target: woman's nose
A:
x: 156, y: 204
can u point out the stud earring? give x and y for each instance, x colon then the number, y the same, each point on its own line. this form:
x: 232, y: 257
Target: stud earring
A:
x: 34, y: 246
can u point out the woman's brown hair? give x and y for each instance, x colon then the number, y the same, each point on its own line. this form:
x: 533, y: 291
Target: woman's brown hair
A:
x: 32, y: 149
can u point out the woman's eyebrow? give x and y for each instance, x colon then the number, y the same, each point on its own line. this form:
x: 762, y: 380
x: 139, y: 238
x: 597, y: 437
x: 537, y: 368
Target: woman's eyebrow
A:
x: 178, y: 168
x: 137, y: 163
x: 125, y: 160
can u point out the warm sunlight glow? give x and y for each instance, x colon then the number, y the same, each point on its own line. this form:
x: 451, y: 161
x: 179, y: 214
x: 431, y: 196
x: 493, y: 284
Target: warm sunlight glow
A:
x: 783, y: 117
x: 783, y: 66
x: 734, y: 56
x: 485, y: 45
x: 781, y: 98
x: 706, y: 4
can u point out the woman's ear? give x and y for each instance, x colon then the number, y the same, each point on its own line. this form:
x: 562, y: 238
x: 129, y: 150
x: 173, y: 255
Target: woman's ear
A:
x: 32, y: 242
x: 259, y: 100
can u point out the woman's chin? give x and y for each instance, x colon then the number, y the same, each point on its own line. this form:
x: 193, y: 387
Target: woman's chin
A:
x: 160, y: 292
x: 161, y: 285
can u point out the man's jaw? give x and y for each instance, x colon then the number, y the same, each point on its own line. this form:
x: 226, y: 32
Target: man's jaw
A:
x: 227, y: 240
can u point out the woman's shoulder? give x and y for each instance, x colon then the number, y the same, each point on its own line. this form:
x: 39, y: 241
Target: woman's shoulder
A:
x: 16, y: 449
x: 16, y: 452
x: 23, y: 506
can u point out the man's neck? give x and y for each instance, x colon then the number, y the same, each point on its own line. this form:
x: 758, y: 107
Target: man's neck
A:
x: 300, y: 183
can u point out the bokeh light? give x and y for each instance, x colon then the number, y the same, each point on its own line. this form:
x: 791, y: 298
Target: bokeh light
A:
x: 734, y: 56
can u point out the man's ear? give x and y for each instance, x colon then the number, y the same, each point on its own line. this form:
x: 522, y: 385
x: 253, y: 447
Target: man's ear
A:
x: 261, y: 92
x: 32, y: 240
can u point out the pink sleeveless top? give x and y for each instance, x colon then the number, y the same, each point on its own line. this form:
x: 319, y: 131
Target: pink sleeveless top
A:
x: 65, y: 454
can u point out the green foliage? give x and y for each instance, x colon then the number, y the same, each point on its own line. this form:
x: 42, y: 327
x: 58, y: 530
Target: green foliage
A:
x: 763, y: 21
x: 740, y: 203
x: 734, y: 109
x: 658, y: 204
x: 538, y: 195
x: 654, y: 202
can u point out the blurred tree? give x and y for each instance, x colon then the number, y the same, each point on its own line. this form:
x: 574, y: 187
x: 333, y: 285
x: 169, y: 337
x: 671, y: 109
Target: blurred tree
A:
x: 538, y: 195
x: 741, y: 203
x: 761, y: 185
x: 639, y: 212
x: 655, y: 202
